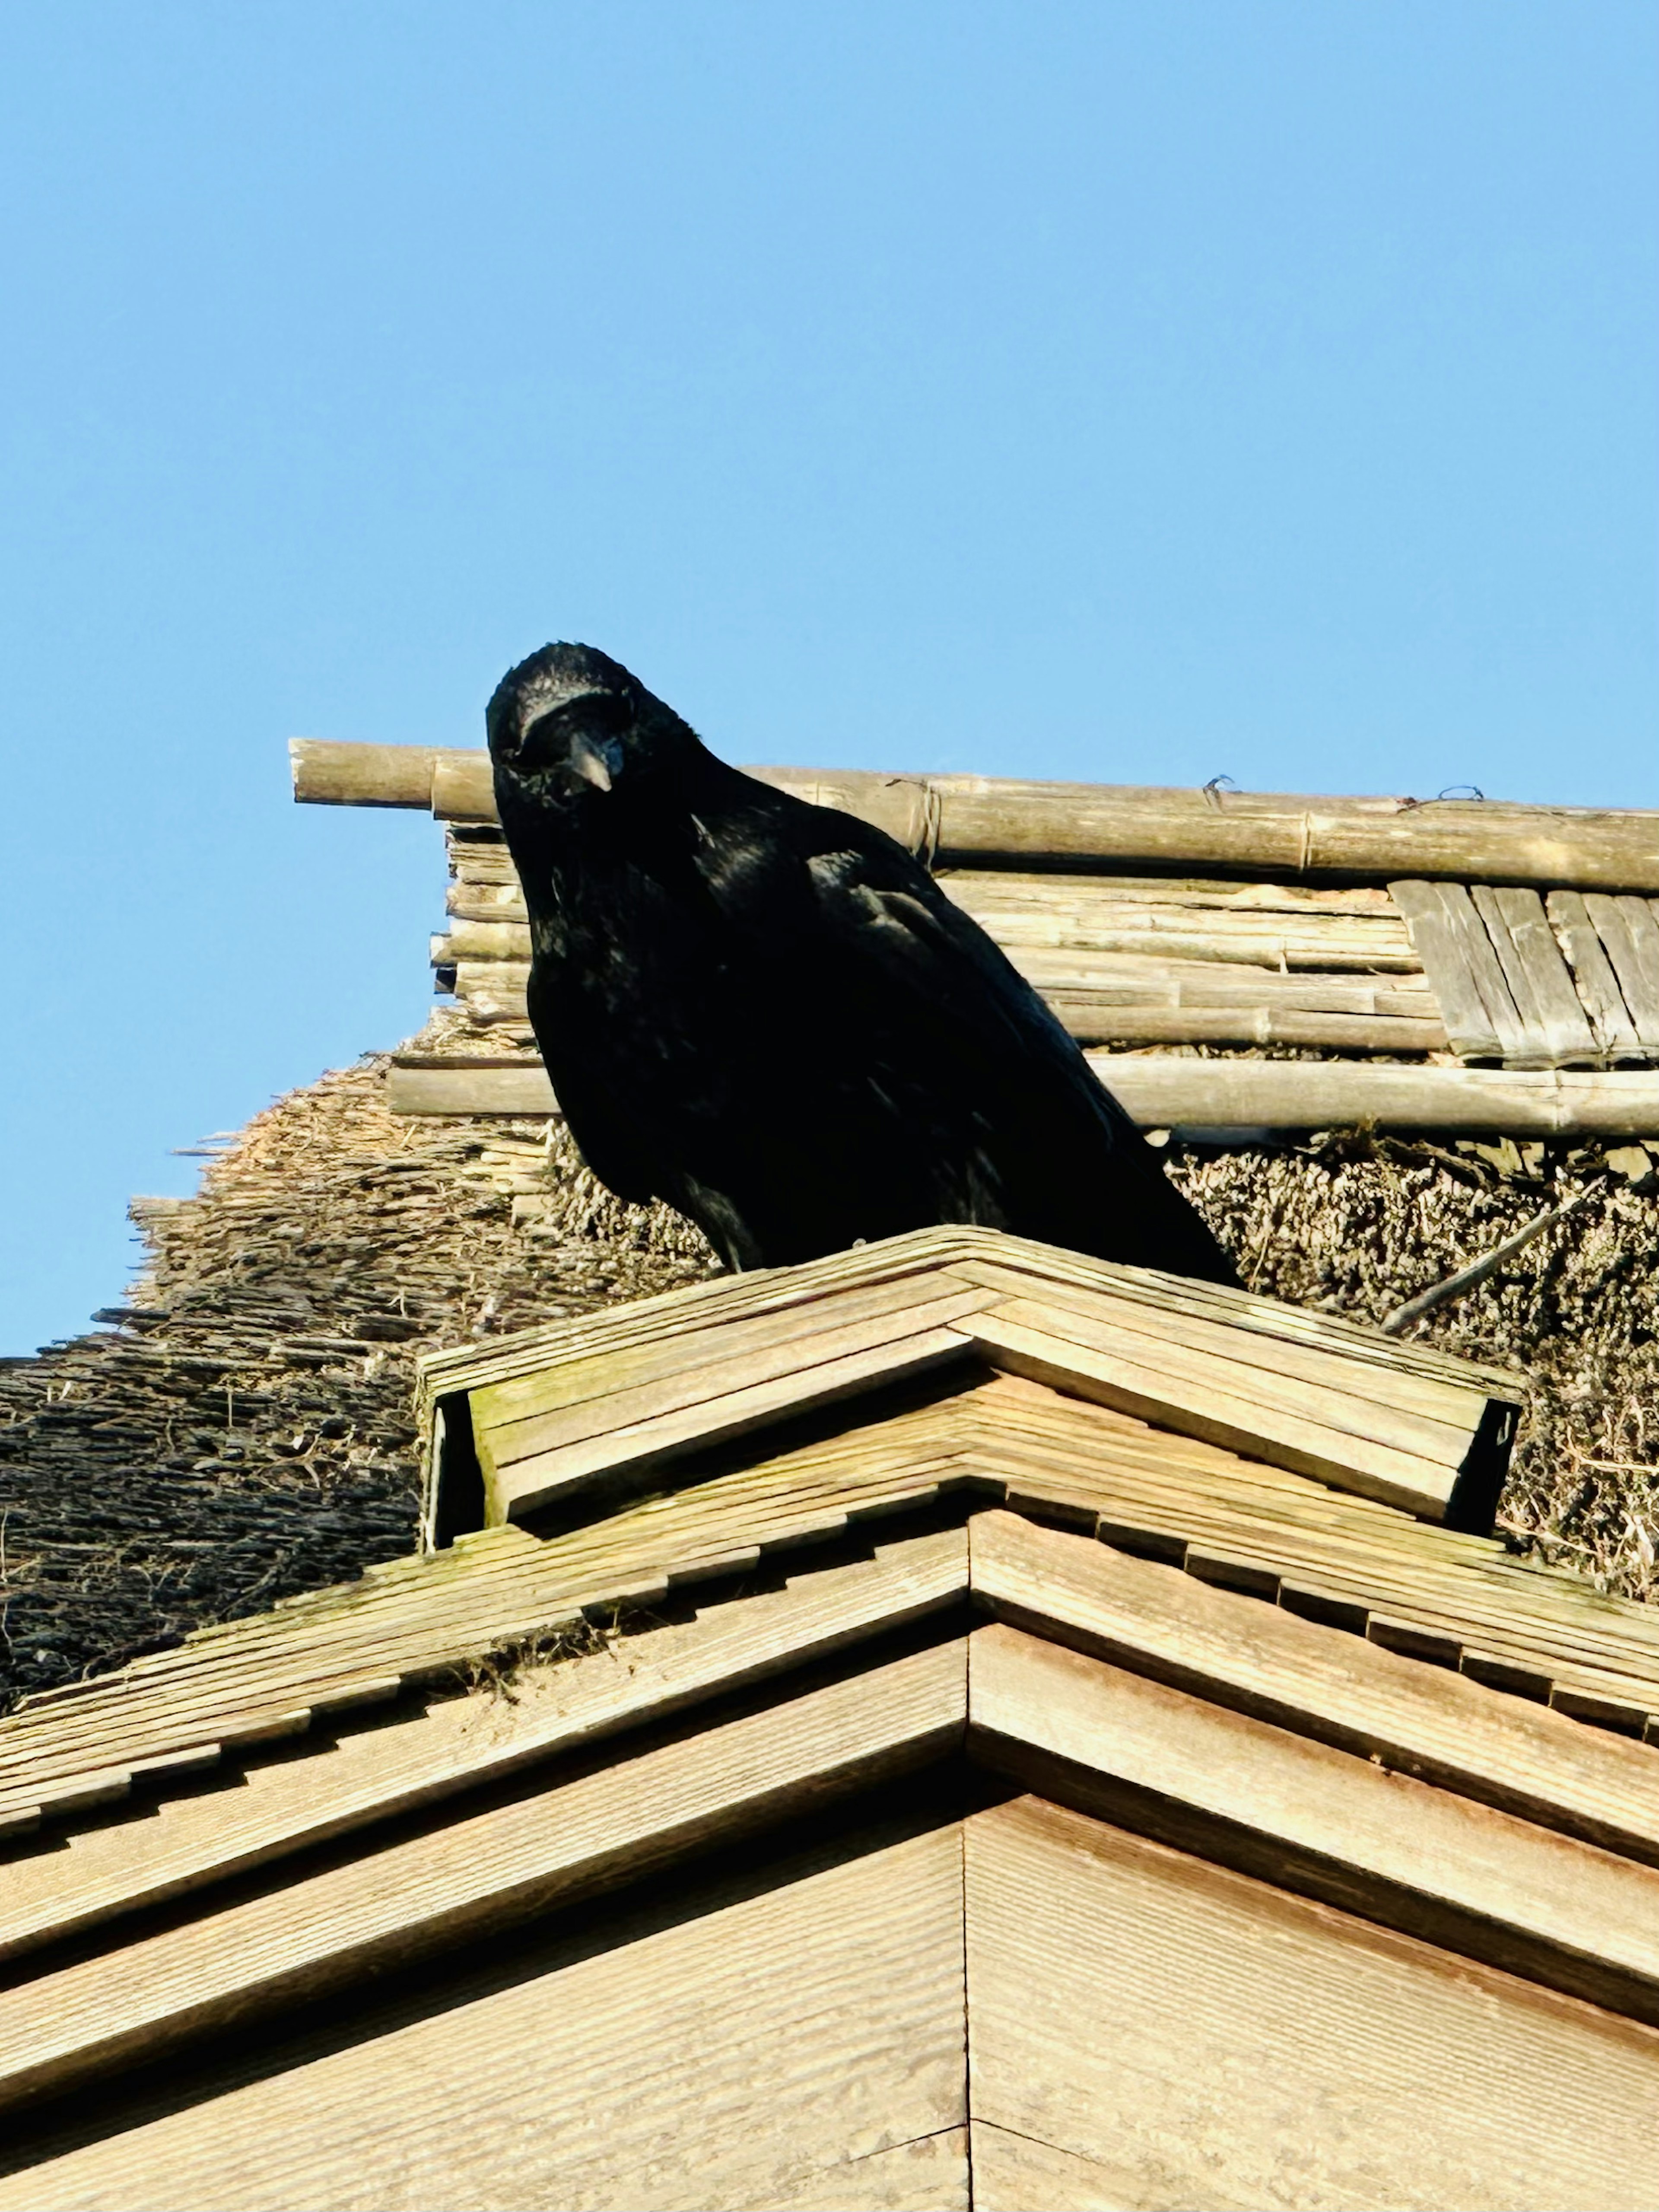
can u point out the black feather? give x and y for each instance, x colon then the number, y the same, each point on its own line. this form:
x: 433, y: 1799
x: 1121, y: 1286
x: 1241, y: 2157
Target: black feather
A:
x: 769, y: 1015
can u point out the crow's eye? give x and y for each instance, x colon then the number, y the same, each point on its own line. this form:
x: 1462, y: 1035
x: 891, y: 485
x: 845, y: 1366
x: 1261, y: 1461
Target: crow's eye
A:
x: 596, y: 717
x: 601, y: 714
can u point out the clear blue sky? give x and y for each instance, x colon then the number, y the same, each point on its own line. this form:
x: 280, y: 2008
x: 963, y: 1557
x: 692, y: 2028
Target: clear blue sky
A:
x: 1138, y: 392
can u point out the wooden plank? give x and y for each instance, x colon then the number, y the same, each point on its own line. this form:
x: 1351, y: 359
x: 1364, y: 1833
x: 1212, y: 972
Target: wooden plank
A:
x: 487, y: 1871
x: 613, y: 1375
x: 1537, y: 976
x: 529, y: 1485
x: 793, y: 2043
x: 974, y: 1255
x: 1149, y: 1489
x: 467, y: 1742
x: 1347, y: 1413
x: 1434, y: 1421
x: 927, y: 2174
x: 1597, y: 986
x: 1414, y: 1484
x: 1249, y: 1330
x: 1469, y: 932
x: 1405, y: 1718
x: 1462, y: 1876
x: 1281, y: 833
x: 987, y: 1254
x: 693, y: 1305
x: 1021, y: 2173
x: 1209, y: 2040
x: 1617, y: 924
x: 1441, y: 948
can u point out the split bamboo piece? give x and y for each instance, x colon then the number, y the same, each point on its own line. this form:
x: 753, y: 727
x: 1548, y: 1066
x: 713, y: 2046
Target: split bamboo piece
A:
x: 1593, y: 973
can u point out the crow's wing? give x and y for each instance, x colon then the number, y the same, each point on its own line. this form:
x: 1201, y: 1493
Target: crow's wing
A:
x: 866, y: 932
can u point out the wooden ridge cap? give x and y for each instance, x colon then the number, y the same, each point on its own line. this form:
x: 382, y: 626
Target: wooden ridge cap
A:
x: 572, y: 1422
x: 774, y: 1290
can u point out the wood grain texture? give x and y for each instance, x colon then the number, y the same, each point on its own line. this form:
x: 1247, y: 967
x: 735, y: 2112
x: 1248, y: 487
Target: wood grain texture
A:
x: 1290, y: 1390
x: 479, y: 1872
x: 1408, y: 1718
x: 965, y: 1253
x: 930, y: 2174
x: 1020, y: 2174
x: 1592, y: 975
x: 1210, y: 2042
x: 1209, y: 1410
x: 801, y: 2047
x: 1249, y: 1332
x: 466, y: 1742
x: 1330, y: 1823
x: 1624, y: 925
x: 895, y: 1353
x: 1557, y: 1024
x: 615, y: 1387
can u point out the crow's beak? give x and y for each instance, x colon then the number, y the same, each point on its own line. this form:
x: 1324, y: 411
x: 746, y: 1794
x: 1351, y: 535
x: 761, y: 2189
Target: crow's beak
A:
x: 590, y: 764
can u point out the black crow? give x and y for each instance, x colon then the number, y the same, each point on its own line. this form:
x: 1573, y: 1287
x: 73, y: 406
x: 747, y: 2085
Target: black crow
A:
x: 769, y: 1015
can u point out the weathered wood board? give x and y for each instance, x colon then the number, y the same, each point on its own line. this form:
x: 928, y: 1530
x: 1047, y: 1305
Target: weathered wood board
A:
x: 799, y: 2046
x: 1200, y: 2038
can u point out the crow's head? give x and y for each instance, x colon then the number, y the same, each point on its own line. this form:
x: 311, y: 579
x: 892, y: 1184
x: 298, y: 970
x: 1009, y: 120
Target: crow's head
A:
x: 570, y: 726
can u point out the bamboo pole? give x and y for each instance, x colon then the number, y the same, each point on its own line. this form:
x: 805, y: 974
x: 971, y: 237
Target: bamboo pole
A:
x: 1170, y: 1091
x: 1470, y: 1277
x: 1278, y: 834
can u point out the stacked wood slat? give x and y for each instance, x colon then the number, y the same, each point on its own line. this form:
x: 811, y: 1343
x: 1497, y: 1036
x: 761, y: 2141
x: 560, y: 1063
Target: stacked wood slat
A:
x: 1486, y: 970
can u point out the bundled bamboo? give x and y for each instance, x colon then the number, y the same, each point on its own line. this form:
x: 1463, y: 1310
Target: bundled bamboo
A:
x: 1121, y: 960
